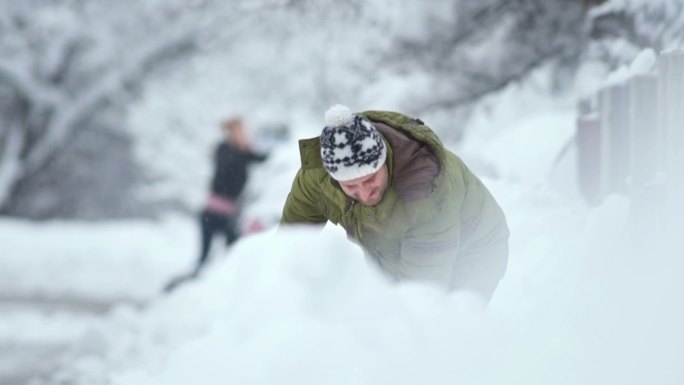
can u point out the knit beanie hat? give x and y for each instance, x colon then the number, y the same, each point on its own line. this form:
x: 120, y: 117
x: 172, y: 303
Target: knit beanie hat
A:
x: 351, y: 147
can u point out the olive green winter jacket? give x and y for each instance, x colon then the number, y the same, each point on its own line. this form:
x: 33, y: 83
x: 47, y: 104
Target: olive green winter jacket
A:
x: 434, y: 209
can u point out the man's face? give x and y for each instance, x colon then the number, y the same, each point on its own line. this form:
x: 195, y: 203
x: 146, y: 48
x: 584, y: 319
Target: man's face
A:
x: 369, y: 189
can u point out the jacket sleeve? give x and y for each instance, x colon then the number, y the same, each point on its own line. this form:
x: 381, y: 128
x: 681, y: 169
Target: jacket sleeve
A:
x: 302, y: 204
x: 257, y: 157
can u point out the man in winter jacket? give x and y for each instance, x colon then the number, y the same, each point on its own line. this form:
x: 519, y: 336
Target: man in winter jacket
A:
x: 413, y: 206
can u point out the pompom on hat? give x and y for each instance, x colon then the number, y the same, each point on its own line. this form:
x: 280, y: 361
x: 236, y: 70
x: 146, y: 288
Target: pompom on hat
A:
x: 351, y: 147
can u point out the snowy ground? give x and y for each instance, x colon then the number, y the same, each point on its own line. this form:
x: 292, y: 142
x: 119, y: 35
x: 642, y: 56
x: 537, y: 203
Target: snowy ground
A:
x: 590, y: 296
x: 576, y: 306
x: 59, y: 278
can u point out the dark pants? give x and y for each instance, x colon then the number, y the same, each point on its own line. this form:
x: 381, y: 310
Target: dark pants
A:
x: 210, y: 224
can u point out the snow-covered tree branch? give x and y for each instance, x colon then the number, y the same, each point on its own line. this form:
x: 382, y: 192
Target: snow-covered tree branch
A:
x: 62, y: 71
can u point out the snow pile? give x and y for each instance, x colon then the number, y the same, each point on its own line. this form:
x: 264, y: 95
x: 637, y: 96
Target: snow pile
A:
x: 580, y: 304
x: 305, y: 309
x: 519, y: 133
x: 542, y: 137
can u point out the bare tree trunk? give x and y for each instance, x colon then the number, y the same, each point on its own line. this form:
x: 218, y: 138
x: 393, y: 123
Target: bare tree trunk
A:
x: 11, y: 168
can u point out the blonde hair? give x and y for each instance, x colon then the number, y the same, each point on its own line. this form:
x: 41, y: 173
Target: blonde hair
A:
x: 237, y: 133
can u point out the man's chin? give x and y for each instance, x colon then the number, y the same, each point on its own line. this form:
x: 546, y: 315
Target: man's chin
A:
x: 372, y: 202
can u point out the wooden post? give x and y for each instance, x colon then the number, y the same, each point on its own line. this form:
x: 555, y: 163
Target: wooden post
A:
x: 588, y: 137
x: 671, y: 124
x: 647, y: 192
x: 644, y: 129
x: 615, y: 158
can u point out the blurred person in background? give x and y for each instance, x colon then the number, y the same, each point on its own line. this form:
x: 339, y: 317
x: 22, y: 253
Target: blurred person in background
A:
x: 415, y: 208
x: 221, y: 211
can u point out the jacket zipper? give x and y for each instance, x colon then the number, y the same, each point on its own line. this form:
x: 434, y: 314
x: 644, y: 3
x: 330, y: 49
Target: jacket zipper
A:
x: 356, y: 225
x: 350, y: 206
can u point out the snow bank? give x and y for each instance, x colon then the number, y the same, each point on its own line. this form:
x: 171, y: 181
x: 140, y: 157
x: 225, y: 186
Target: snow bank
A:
x: 309, y: 310
x: 582, y: 302
x: 97, y: 261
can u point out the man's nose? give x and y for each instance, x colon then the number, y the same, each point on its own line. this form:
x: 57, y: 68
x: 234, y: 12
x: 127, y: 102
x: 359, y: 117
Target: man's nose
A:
x: 366, y: 192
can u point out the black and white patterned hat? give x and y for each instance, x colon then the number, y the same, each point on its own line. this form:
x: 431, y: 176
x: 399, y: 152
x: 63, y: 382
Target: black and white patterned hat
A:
x: 351, y: 147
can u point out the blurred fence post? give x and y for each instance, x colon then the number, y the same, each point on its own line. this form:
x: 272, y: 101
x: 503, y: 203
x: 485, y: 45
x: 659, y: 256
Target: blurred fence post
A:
x: 634, y: 143
x: 646, y: 190
x: 671, y: 124
x: 615, y: 140
x: 588, y: 137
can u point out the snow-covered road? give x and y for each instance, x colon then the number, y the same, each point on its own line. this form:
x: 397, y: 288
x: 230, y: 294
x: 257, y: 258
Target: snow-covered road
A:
x: 27, y: 354
x: 59, y: 280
